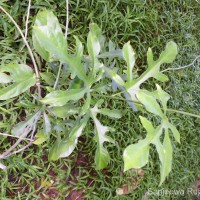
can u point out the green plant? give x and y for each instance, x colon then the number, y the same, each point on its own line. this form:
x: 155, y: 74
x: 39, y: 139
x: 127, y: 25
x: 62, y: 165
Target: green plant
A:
x: 85, y: 77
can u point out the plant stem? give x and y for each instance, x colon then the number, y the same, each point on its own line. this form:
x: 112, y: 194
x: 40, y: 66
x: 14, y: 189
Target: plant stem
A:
x: 137, y: 102
x: 27, y: 18
x: 182, y: 67
x: 29, y: 50
x: 183, y: 112
x: 8, y: 151
x: 117, y: 98
x: 13, y: 136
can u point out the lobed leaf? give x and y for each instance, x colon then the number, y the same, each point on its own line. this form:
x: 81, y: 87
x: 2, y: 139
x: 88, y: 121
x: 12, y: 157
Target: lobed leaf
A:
x: 175, y: 132
x: 136, y: 155
x: 102, y: 157
x: 165, y: 155
x: 48, y: 38
x: 129, y: 56
x: 149, y: 102
x: 60, y: 98
x: 22, y: 77
x: 63, y: 148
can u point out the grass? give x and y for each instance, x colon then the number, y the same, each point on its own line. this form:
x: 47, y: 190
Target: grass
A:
x: 145, y: 24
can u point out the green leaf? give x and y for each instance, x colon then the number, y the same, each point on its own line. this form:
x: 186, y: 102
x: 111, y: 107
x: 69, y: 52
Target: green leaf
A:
x: 79, y: 48
x: 111, y: 54
x: 161, y: 77
x: 63, y: 148
x: 67, y: 146
x: 153, y: 70
x: 150, y: 60
x: 115, y: 77
x: 53, y: 153
x: 149, y: 102
x: 110, y: 113
x: 48, y: 38
x: 86, y: 105
x: 129, y: 56
x: 64, y: 111
x: 175, y: 132
x: 4, y: 78
x: 169, y: 54
x: 75, y: 62
x: 60, y: 98
x: 165, y: 155
x: 47, y: 125
x: 136, y: 155
x: 102, y: 157
x: 163, y: 97
x: 21, y: 127
x: 76, y: 83
x: 48, y: 77
x: 148, y: 126
x: 22, y: 77
x: 40, y: 50
x: 93, y: 46
x: 40, y: 138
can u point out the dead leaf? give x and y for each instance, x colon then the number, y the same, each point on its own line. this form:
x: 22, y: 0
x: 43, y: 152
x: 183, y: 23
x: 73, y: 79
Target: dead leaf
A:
x: 132, y: 183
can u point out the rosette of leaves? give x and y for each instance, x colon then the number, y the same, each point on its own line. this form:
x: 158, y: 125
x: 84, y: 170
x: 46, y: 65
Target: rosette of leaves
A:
x: 87, y: 75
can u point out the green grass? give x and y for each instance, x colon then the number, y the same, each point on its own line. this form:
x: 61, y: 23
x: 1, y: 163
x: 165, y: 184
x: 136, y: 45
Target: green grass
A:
x: 145, y: 24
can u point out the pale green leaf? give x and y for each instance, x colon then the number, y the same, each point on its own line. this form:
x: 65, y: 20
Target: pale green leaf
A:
x: 150, y: 60
x: 169, y: 54
x: 4, y: 78
x: 93, y: 44
x: 153, y: 70
x: 136, y: 155
x: 149, y: 102
x: 86, y: 105
x: 148, y: 127
x: 115, y: 77
x: 165, y: 157
x: 111, y: 54
x: 60, y: 98
x: 67, y: 145
x: 163, y: 96
x: 40, y: 138
x: 110, y: 113
x: 64, y: 111
x: 129, y: 56
x: 22, y: 77
x: 175, y: 132
x: 161, y: 77
x: 102, y: 157
x: 47, y: 125
x: 63, y: 148
x: 79, y: 48
x: 48, y: 38
x: 41, y: 51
